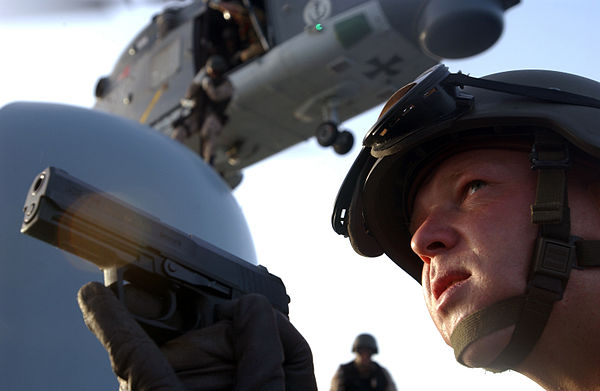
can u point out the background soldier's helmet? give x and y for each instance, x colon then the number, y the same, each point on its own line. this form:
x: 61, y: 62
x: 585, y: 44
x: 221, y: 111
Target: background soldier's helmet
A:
x: 216, y: 64
x: 365, y: 341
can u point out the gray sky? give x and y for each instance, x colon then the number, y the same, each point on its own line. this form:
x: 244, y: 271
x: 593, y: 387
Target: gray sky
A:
x: 287, y: 199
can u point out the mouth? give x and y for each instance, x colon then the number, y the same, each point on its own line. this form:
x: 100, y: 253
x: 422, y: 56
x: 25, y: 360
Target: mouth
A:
x: 447, y: 282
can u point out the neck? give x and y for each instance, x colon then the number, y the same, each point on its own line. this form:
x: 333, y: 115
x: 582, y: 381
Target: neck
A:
x: 566, y: 356
x: 562, y: 373
x: 362, y: 365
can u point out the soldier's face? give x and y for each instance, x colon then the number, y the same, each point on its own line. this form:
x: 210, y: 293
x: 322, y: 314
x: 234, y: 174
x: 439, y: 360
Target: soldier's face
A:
x: 471, y: 227
x: 363, y: 356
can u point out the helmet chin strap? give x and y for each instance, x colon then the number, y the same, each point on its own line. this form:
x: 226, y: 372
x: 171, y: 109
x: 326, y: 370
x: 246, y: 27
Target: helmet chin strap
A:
x: 554, y: 256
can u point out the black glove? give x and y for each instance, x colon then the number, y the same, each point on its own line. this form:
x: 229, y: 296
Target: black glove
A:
x: 253, y: 348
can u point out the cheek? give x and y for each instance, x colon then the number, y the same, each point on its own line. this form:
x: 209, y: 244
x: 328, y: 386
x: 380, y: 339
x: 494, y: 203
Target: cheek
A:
x: 503, y: 241
x: 429, y: 303
x: 425, y: 284
x: 426, y: 288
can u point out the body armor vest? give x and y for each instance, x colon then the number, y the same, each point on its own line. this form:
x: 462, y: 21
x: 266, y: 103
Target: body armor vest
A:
x: 354, y: 380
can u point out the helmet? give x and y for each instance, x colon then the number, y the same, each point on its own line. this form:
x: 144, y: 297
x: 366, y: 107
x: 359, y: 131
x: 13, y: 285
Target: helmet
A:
x: 493, y: 115
x: 216, y: 64
x: 131, y: 162
x: 441, y: 113
x: 366, y: 341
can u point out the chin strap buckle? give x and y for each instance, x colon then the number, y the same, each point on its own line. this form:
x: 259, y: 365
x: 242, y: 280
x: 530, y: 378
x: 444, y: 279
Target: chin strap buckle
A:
x: 553, y: 262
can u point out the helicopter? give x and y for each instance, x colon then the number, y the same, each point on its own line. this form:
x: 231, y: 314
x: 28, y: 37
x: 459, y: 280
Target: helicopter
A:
x: 312, y: 65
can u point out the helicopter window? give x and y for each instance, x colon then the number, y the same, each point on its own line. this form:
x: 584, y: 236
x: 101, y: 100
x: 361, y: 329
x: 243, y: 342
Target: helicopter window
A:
x: 352, y: 30
x: 165, y: 63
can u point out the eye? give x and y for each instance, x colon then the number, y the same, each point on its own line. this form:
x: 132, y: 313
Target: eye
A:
x: 473, y: 186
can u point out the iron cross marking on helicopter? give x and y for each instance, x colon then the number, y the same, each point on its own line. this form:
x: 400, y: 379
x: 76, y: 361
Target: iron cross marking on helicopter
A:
x: 385, y: 67
x: 305, y: 76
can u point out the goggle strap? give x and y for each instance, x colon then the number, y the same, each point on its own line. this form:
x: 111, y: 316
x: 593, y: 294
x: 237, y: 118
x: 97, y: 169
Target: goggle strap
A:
x: 548, y: 94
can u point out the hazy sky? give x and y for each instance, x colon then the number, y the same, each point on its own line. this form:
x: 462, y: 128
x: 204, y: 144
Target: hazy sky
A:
x: 287, y: 199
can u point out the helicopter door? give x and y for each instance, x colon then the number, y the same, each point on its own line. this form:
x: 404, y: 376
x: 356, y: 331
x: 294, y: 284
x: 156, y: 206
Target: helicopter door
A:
x: 233, y: 30
x: 258, y: 20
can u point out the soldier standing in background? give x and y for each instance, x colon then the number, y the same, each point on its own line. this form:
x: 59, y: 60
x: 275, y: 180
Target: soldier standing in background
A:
x: 362, y: 373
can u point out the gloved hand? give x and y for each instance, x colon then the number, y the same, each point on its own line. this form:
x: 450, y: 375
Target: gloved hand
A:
x: 253, y: 348
x: 187, y: 103
x: 206, y: 83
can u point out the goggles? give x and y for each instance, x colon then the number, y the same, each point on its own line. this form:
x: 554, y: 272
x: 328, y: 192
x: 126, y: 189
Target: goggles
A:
x: 434, y: 100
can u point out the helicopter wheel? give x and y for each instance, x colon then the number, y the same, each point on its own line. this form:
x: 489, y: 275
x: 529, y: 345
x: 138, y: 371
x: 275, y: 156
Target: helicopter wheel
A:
x: 327, y: 133
x: 343, y: 143
x: 101, y: 87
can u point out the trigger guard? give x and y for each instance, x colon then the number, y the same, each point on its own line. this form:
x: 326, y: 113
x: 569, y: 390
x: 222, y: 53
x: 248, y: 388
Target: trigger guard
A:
x: 172, y: 307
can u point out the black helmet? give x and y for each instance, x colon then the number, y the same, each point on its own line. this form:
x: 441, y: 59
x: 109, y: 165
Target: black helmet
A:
x: 474, y: 112
x: 439, y: 112
x: 366, y: 341
x: 216, y: 64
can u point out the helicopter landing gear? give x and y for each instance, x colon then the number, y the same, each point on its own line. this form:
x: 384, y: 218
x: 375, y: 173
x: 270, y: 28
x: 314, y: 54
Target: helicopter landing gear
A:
x: 328, y: 135
x: 343, y: 143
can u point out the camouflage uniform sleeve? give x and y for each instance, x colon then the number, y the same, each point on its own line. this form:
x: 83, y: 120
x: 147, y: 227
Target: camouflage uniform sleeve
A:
x: 223, y: 92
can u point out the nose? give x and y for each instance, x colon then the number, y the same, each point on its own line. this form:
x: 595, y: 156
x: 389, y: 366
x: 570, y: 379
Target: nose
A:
x: 433, y: 236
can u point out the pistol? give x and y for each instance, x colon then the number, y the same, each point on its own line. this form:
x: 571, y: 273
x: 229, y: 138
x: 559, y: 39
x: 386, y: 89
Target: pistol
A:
x: 184, y: 276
